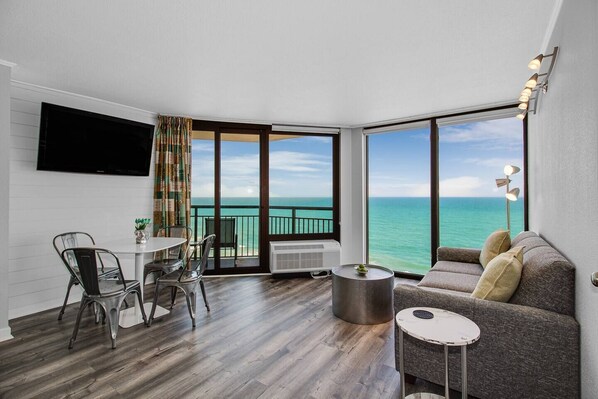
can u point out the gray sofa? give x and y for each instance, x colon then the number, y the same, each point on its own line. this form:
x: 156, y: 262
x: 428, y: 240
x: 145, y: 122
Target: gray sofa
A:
x: 528, y: 347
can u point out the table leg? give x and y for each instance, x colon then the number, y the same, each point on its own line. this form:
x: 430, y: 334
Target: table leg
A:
x: 132, y: 316
x: 401, y: 363
x: 464, y: 371
x: 446, y: 373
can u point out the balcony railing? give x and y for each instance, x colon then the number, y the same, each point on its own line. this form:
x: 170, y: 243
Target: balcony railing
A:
x: 282, y: 220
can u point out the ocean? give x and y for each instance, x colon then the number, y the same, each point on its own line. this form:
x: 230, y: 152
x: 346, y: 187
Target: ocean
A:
x: 398, y: 227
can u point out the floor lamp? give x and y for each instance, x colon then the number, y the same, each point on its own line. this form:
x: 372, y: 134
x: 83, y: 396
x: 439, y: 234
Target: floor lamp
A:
x: 511, y: 194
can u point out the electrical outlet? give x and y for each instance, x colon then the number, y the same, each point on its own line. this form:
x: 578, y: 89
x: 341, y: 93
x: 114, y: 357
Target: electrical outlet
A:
x: 595, y: 278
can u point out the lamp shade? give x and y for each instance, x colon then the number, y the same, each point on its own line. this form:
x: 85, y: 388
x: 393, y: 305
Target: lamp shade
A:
x: 523, y: 99
x: 532, y: 81
x: 511, y: 170
x: 526, y: 92
x: 536, y: 62
x: 513, y: 194
x: 502, y: 182
x: 522, y: 106
x: 521, y: 116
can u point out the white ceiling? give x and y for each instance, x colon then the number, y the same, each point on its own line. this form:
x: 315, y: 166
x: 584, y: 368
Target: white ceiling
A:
x: 319, y: 62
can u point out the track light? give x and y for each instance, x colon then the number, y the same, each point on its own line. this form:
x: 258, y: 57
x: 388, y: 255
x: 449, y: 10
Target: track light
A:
x: 532, y: 81
x: 526, y: 92
x: 535, y: 85
x: 536, y: 62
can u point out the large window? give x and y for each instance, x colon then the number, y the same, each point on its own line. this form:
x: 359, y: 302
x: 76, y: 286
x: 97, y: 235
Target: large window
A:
x: 399, y: 199
x: 435, y: 185
x: 301, y: 184
x: 471, y: 156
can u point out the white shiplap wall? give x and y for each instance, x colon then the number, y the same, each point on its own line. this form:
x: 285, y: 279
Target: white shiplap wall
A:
x: 43, y: 204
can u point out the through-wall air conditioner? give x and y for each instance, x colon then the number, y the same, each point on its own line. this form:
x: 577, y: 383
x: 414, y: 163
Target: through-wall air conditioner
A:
x: 304, y: 256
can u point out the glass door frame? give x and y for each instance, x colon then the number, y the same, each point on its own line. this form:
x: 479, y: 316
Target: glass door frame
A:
x: 435, y: 176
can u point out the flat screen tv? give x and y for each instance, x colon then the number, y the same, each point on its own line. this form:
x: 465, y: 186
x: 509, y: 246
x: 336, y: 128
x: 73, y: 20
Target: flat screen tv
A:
x: 72, y: 140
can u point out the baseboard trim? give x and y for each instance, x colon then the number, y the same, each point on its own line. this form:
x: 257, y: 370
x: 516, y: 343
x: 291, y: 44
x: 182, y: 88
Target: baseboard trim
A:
x: 5, y: 334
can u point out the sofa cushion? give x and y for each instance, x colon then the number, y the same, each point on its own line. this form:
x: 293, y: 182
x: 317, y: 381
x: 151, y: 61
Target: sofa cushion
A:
x: 547, y: 278
x: 496, y: 243
x: 501, y: 277
x: 458, y: 267
x: 450, y: 281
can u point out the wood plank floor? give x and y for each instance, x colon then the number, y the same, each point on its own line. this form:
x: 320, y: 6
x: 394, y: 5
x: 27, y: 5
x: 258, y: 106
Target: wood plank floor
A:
x: 264, y: 338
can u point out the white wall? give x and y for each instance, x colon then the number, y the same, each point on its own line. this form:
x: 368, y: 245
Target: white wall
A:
x: 43, y: 204
x: 563, y: 166
x: 352, y: 196
x: 4, y: 211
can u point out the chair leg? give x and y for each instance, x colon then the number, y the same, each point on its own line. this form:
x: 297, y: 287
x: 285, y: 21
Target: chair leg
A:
x: 84, y: 304
x: 203, y: 293
x: 66, y: 298
x: 154, y: 304
x: 191, y: 300
x: 113, y: 313
x: 146, y: 272
x: 140, y: 300
x: 172, y: 297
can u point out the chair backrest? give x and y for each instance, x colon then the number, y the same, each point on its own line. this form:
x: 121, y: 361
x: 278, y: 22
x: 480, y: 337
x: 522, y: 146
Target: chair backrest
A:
x: 227, y: 231
x: 206, y: 245
x: 72, y: 239
x: 177, y: 231
x: 86, y: 260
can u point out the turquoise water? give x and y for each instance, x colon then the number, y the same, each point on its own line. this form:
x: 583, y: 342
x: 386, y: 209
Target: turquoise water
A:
x: 399, y: 227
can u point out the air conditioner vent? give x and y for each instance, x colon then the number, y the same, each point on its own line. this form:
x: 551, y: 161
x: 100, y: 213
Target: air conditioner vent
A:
x: 304, y: 256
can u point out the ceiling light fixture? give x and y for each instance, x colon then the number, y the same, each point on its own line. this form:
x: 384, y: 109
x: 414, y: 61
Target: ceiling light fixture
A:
x: 537, y: 83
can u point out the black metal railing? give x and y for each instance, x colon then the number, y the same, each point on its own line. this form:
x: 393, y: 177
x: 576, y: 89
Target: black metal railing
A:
x: 282, y: 220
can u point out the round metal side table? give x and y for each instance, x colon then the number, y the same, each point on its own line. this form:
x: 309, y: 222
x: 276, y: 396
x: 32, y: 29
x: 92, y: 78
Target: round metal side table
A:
x: 444, y: 328
x: 362, y: 298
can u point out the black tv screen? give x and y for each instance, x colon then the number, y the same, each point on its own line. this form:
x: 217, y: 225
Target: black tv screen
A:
x: 72, y: 140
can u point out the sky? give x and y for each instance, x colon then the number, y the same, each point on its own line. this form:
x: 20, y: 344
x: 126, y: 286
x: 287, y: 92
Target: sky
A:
x: 471, y: 157
x: 299, y: 167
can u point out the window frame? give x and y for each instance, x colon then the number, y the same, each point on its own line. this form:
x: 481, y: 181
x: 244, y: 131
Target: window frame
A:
x: 435, y: 172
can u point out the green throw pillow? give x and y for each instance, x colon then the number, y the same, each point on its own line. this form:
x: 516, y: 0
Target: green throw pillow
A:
x: 501, y: 277
x: 496, y: 243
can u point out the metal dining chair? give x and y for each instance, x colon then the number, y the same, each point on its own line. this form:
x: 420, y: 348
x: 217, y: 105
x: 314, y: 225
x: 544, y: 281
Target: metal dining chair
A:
x: 109, y: 294
x: 76, y: 239
x: 169, y: 260
x: 186, y: 279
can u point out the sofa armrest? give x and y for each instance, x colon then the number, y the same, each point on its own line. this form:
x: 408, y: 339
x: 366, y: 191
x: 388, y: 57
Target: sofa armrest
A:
x: 518, y: 345
x: 465, y: 255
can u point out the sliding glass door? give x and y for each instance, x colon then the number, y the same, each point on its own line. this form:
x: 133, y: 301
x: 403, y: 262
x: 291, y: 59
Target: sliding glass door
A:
x: 251, y: 186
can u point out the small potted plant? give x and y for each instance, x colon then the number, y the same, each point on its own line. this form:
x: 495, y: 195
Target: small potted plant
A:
x: 140, y: 226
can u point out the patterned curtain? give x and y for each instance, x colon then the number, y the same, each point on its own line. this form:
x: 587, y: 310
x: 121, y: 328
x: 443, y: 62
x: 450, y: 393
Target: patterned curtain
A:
x: 172, y: 188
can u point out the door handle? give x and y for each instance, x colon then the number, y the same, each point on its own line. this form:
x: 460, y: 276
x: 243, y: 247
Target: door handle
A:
x: 595, y: 278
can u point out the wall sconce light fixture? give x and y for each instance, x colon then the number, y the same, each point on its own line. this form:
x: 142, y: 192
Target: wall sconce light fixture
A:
x: 536, y: 84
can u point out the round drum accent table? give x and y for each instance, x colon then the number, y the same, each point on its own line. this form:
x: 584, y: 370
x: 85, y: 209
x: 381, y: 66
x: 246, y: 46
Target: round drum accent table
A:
x: 444, y: 328
x: 362, y: 299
